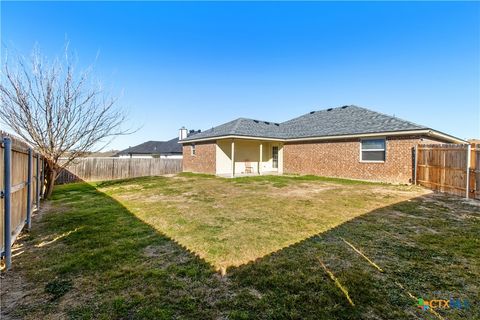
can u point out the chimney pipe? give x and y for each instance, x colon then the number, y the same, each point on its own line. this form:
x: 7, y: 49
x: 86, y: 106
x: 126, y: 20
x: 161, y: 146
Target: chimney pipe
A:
x: 182, y: 133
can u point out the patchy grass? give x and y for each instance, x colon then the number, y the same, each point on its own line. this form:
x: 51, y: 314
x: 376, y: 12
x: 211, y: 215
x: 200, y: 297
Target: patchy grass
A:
x: 287, y: 180
x: 230, y: 222
x: 89, y: 256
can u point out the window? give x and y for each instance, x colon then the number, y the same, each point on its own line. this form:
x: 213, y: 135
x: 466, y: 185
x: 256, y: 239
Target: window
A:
x: 373, y: 150
x: 193, y: 149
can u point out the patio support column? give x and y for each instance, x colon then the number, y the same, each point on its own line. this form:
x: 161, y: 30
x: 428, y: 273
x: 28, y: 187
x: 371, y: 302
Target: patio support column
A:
x: 233, y: 158
x: 261, y: 160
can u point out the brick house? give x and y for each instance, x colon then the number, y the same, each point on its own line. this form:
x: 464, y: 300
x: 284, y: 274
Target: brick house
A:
x: 348, y: 142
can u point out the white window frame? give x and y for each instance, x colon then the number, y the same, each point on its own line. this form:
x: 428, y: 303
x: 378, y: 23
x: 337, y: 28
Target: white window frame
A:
x: 384, y: 150
x: 193, y: 150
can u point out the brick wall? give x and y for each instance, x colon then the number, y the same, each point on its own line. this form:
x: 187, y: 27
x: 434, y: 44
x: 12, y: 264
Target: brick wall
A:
x: 342, y: 159
x: 204, y: 159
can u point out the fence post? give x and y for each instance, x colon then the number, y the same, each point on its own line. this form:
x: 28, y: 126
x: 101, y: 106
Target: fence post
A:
x: 29, y: 189
x: 38, y: 183
x: 7, y: 198
x: 468, y: 172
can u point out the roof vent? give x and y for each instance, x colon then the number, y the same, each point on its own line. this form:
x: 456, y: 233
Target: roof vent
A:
x: 344, y: 107
x: 312, y: 112
x: 329, y: 109
x: 266, y: 122
x: 277, y: 124
x: 256, y: 121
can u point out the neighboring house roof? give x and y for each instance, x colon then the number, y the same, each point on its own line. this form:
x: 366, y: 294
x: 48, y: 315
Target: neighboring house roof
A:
x: 341, y: 121
x: 154, y: 147
x: 102, y: 154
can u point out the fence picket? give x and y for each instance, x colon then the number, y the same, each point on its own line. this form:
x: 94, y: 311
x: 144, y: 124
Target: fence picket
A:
x: 97, y: 169
x: 449, y: 168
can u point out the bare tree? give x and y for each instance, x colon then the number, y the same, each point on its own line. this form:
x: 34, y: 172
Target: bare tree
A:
x: 60, y: 112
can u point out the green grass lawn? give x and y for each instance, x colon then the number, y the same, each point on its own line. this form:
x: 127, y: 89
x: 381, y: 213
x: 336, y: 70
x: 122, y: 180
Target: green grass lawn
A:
x: 151, y: 248
x: 232, y: 222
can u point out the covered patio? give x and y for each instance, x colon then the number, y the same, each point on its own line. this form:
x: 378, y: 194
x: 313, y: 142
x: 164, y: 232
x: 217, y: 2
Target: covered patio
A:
x: 246, y: 157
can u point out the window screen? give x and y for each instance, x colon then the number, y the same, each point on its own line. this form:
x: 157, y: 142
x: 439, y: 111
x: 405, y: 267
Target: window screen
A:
x: 373, y: 150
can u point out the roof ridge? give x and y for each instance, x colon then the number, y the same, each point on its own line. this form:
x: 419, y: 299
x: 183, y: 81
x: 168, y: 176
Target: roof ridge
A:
x: 252, y: 119
x: 235, y: 127
x: 392, y: 116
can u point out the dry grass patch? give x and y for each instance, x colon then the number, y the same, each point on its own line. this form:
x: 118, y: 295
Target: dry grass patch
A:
x: 229, y: 222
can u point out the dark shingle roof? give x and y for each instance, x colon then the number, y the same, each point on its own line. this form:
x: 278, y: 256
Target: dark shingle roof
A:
x: 155, y: 147
x: 330, y: 122
x: 342, y: 121
x: 241, y: 127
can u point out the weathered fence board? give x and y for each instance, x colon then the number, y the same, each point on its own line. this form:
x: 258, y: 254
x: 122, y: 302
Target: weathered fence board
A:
x: 23, y: 194
x: 446, y: 168
x: 475, y: 171
x: 98, y: 169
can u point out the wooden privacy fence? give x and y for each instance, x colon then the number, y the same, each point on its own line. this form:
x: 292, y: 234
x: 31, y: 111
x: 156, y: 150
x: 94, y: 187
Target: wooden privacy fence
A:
x: 21, y: 186
x: 449, y: 168
x: 97, y: 169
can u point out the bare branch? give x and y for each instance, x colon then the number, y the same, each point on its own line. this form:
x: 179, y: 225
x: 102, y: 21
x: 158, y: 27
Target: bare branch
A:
x: 56, y: 109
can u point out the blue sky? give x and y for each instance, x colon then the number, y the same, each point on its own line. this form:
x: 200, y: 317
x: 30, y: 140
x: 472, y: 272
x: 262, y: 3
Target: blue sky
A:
x: 201, y: 64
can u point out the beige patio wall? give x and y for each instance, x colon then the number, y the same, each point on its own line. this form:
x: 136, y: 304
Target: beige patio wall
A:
x: 246, y: 151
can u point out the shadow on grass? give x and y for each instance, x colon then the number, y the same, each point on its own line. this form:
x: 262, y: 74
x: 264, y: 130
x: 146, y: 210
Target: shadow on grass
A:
x: 418, y: 245
x: 120, y: 267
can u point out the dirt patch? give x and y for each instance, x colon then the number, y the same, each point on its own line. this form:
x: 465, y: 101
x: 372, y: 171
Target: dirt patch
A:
x: 81, y: 293
x: 405, y: 191
x: 306, y: 190
x: 150, y: 198
x: 16, y: 290
x: 45, y: 207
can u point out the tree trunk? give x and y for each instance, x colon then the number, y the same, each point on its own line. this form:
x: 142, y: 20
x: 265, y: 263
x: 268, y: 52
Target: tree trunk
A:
x: 50, y: 176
